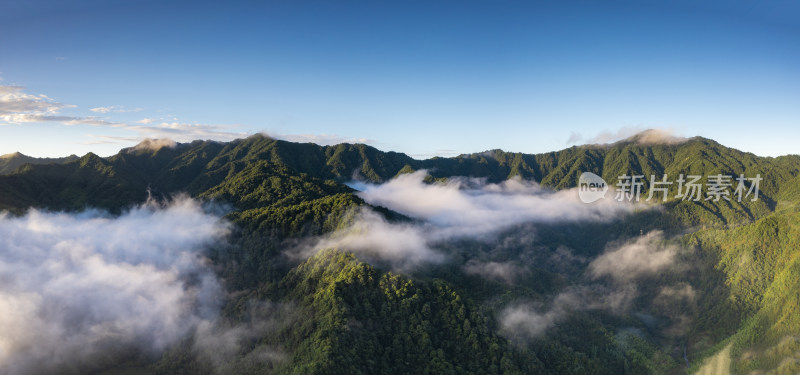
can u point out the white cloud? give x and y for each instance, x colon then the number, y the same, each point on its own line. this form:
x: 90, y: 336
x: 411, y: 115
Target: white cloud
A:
x: 462, y: 208
x: 643, y: 256
x: 79, y: 287
x: 155, y: 144
x: 524, y: 321
x: 114, y: 108
x: 19, y: 118
x: 471, y: 207
x: 102, y: 109
x: 371, y: 236
x: 625, y: 264
x: 146, y: 121
x: 14, y: 101
x: 18, y: 107
x: 639, y: 134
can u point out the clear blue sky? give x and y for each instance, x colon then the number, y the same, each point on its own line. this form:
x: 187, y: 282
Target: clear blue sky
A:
x: 421, y: 77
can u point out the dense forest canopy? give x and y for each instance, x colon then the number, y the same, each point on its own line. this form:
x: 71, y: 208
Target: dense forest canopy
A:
x: 293, y: 258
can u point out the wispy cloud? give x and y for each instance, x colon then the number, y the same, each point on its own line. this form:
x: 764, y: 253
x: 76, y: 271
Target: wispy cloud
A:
x: 186, y: 132
x: 625, y: 264
x: 114, y: 108
x: 108, y: 139
x: 19, y: 118
x: 14, y: 101
x: 18, y: 107
x: 228, y: 346
x: 523, y: 321
x: 146, y: 121
x: 643, y: 256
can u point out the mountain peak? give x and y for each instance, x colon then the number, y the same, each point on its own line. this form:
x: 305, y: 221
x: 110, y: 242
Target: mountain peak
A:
x: 655, y: 136
x: 152, y: 144
x: 12, y: 155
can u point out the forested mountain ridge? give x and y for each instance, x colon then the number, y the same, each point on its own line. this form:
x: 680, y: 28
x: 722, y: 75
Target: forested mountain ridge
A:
x: 10, y: 162
x: 737, y: 286
x: 201, y: 166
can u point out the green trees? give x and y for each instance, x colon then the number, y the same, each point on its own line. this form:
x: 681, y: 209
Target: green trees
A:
x: 351, y: 317
x: 761, y: 265
x: 364, y: 321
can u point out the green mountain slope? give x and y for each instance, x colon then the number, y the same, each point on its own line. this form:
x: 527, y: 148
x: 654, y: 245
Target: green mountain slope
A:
x: 761, y: 267
x: 199, y: 166
x: 352, y: 317
x: 10, y: 162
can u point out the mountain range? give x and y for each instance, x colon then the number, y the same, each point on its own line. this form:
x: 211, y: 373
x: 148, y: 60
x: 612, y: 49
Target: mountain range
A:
x: 711, y: 285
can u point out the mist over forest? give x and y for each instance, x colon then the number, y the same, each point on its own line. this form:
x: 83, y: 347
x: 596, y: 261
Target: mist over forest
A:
x: 267, y: 256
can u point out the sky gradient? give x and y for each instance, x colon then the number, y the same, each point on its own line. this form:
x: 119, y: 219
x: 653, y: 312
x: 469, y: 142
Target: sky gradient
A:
x: 421, y: 77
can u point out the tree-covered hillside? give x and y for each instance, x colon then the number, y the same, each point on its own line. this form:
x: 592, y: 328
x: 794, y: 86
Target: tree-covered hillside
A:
x: 10, y: 162
x: 727, y: 277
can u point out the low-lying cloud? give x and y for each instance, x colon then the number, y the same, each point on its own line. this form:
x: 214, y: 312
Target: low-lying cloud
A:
x: 471, y: 207
x: 637, y: 134
x: 77, y: 288
x: 229, y: 347
x: 625, y: 264
x: 523, y: 321
x: 644, y: 256
x: 526, y: 320
x: 405, y: 245
x: 462, y: 208
x: 154, y: 144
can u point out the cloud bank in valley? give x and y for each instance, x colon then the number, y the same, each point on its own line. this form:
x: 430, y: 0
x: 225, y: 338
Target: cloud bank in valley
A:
x: 85, y: 287
x: 462, y: 208
x: 471, y: 207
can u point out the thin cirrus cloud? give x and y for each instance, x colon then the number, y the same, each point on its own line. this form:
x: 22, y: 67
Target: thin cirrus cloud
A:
x: 82, y: 287
x: 114, y: 108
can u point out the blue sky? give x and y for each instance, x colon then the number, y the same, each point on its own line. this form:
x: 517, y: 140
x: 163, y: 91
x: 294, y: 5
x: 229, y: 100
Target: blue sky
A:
x: 421, y: 77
